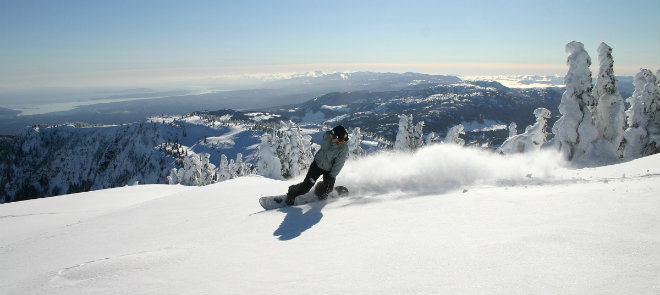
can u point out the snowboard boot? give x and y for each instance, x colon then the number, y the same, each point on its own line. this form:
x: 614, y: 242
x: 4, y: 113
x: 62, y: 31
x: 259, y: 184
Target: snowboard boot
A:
x: 292, y: 194
x: 290, y: 200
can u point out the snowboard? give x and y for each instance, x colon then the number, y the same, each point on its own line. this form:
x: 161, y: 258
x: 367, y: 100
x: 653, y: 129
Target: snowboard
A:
x: 274, y: 202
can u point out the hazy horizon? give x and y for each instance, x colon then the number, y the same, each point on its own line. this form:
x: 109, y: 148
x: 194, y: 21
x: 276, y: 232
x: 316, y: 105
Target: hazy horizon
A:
x: 197, y: 44
x: 47, y: 100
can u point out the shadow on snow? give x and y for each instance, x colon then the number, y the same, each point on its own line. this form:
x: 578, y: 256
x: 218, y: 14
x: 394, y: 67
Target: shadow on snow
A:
x: 296, y: 222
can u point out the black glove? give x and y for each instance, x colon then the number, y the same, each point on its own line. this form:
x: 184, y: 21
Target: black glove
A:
x: 325, y: 187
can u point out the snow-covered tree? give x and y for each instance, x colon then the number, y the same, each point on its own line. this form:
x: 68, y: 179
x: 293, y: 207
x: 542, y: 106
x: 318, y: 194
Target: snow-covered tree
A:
x: 609, y: 116
x: 230, y: 168
x: 268, y: 163
x: 418, y: 135
x: 453, y: 135
x: 208, y: 169
x: 197, y: 170
x: 642, y: 137
x: 354, y: 144
x: 223, y: 170
x: 295, y: 152
x: 575, y: 130
x: 432, y: 138
x: 403, y: 136
x: 284, y: 156
x: 241, y: 168
x: 410, y: 136
x: 304, y: 151
x: 513, y: 129
x: 532, y: 139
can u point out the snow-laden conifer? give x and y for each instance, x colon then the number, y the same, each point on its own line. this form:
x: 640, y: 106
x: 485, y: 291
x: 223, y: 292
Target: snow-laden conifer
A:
x: 575, y: 130
x: 230, y: 168
x: 223, y: 170
x: 418, y: 135
x: 354, y: 144
x: 196, y: 171
x: 295, y: 153
x: 453, y: 135
x: 241, y: 168
x: 432, y: 138
x: 268, y: 163
x: 609, y: 115
x: 403, y: 136
x: 532, y: 139
x: 410, y: 137
x: 642, y: 137
x: 284, y: 156
x: 513, y: 129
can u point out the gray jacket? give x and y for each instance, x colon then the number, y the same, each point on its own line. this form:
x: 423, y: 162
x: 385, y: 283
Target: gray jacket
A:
x: 331, y: 157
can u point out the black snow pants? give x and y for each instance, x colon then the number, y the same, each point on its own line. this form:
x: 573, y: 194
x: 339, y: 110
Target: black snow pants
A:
x: 322, y: 189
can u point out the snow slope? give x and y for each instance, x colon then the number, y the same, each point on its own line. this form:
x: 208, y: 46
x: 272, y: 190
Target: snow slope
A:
x: 445, y: 220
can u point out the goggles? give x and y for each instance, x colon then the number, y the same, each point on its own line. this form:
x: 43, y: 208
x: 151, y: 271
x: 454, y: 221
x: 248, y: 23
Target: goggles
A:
x: 343, y: 139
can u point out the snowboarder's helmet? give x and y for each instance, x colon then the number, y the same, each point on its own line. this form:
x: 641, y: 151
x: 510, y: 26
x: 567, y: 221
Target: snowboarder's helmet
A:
x: 339, y: 132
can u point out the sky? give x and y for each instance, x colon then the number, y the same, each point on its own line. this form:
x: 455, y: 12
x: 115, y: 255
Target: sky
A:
x: 86, y: 44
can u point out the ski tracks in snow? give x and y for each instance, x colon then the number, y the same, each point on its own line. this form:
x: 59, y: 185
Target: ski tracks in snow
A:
x: 108, y: 269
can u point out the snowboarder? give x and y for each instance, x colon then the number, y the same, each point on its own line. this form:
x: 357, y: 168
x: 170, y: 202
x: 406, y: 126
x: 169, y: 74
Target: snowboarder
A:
x: 328, y: 162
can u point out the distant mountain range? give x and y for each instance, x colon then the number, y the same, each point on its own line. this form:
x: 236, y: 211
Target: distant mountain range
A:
x: 277, y: 92
x: 266, y: 95
x: 484, y: 108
